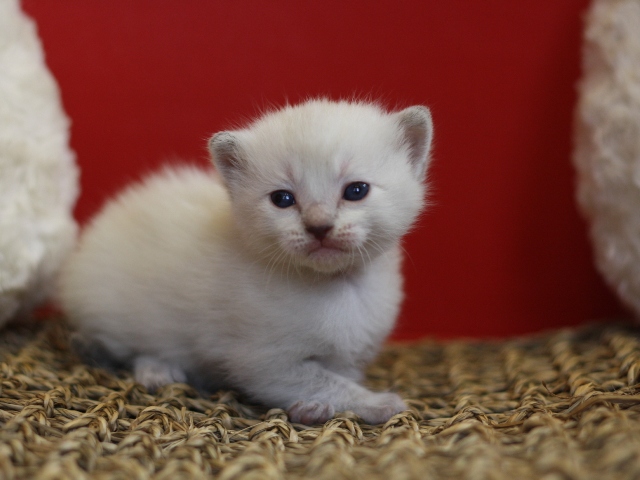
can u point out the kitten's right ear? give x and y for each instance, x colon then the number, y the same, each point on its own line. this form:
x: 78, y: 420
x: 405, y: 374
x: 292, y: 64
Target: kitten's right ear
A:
x: 226, y: 154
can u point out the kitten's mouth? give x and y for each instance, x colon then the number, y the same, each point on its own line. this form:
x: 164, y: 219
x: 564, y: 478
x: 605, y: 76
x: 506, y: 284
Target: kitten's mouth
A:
x: 328, y: 257
x: 325, y: 249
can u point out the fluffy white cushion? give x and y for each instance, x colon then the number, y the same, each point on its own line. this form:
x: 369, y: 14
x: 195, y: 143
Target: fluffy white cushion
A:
x: 607, y: 153
x: 38, y: 175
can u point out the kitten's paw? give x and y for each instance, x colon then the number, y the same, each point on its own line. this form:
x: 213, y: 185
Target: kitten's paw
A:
x: 380, y: 407
x: 154, y: 373
x: 310, y: 413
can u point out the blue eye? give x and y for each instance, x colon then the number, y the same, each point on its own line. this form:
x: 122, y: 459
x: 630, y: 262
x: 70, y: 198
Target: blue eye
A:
x: 356, y: 191
x: 282, y: 198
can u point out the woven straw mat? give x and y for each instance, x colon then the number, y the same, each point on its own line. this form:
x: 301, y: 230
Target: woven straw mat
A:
x: 556, y: 406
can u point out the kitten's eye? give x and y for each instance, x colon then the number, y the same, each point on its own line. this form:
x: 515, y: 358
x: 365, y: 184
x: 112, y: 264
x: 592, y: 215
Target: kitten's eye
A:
x: 282, y: 198
x: 356, y: 191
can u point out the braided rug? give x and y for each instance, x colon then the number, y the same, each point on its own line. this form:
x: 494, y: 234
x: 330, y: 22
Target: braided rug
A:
x: 562, y: 405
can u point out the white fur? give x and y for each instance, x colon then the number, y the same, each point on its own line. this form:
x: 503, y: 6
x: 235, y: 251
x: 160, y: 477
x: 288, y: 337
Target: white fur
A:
x: 607, y: 153
x: 38, y: 175
x: 185, y: 275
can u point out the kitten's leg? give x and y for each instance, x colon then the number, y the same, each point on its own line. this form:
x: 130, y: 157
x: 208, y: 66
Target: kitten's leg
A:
x: 313, y: 394
x: 154, y: 373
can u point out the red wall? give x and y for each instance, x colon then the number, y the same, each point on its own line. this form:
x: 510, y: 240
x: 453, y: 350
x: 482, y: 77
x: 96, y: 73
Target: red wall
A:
x: 502, y: 250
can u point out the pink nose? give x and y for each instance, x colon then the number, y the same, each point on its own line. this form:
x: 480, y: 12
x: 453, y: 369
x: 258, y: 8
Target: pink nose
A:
x: 319, y: 231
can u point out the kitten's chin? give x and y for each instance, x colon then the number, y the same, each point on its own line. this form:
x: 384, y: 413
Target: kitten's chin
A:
x: 329, y: 260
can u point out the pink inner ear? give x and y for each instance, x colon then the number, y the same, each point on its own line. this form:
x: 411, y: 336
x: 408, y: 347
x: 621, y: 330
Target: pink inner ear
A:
x: 225, y: 153
x: 415, y: 123
x: 416, y: 138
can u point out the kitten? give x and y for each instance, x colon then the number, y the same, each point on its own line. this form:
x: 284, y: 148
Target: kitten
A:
x: 278, y: 276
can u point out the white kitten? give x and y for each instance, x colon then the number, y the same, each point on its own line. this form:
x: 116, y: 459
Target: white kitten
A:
x: 280, y: 279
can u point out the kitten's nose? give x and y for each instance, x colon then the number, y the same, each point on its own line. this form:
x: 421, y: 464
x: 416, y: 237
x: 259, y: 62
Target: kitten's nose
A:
x: 319, y: 231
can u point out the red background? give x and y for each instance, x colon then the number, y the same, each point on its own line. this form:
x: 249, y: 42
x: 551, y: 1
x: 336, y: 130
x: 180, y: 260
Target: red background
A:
x: 502, y: 251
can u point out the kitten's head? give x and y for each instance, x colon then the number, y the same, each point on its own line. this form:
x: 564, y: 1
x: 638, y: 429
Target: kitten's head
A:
x: 326, y: 185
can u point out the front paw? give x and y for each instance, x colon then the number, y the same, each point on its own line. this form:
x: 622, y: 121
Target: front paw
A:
x: 310, y: 413
x: 154, y: 373
x: 379, y: 407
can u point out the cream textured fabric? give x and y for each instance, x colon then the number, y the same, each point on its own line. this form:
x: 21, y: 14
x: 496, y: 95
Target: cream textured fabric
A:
x: 38, y: 175
x: 608, y: 142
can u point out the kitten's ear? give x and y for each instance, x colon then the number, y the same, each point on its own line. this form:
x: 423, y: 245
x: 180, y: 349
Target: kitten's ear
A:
x: 226, y: 154
x: 416, y: 133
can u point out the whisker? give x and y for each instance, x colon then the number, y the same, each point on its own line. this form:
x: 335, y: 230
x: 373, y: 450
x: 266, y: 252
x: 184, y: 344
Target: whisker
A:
x: 273, y: 263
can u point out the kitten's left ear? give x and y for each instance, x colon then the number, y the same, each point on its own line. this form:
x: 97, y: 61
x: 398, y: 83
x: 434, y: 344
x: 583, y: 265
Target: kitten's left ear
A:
x: 416, y: 133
